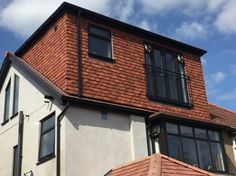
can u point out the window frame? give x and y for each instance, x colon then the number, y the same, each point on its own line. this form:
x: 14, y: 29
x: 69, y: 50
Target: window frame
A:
x: 51, y: 155
x: 100, y: 38
x: 8, y: 88
x: 180, y: 93
x: 164, y: 142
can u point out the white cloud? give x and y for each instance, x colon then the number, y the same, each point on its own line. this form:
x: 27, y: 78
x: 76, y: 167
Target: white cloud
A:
x: 190, y: 31
x: 225, y: 21
x: 213, y: 80
x: 218, y: 77
x: 227, y: 96
x: 122, y: 9
x: 188, y: 7
x: 24, y: 16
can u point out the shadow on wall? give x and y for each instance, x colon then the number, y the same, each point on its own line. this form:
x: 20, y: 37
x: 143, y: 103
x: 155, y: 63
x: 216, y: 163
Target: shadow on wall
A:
x: 97, y: 118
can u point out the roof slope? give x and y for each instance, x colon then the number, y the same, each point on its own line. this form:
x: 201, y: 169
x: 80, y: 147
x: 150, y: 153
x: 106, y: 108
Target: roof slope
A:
x: 157, y: 165
x: 223, y: 116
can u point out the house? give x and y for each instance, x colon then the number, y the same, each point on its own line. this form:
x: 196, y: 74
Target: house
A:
x: 87, y: 91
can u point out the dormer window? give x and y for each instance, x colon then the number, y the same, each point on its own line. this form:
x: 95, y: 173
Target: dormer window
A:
x: 99, y: 42
x: 166, y: 77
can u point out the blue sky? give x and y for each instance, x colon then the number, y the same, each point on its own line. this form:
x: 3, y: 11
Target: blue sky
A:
x: 208, y: 24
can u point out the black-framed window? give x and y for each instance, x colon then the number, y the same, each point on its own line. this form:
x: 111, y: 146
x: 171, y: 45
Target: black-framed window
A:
x: 7, y: 102
x: 99, y: 42
x: 15, y: 160
x: 47, y: 138
x: 166, y: 77
x: 16, y: 94
x: 196, y: 146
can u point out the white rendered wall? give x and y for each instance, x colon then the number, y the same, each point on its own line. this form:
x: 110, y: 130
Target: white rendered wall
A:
x: 94, y: 146
x: 31, y: 102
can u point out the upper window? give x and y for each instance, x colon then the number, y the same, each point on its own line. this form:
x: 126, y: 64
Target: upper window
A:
x: 47, y: 138
x: 167, y: 81
x: 196, y: 146
x: 7, y: 102
x: 16, y: 94
x: 99, y: 42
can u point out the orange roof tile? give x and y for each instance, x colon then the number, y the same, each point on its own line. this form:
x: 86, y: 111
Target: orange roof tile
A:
x: 223, y: 116
x: 157, y: 165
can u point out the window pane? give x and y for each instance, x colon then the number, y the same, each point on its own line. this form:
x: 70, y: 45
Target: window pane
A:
x: 172, y: 128
x: 161, y: 87
x: 48, y: 124
x: 15, y: 161
x: 16, y: 94
x: 213, y: 135
x: 186, y: 131
x: 157, y: 59
x: 204, y: 155
x: 217, y: 156
x: 47, y: 144
x: 201, y: 133
x: 7, y: 101
x: 99, y: 32
x: 99, y: 47
x: 170, y: 62
x: 173, y: 82
x: 189, y: 151
x: 174, y: 147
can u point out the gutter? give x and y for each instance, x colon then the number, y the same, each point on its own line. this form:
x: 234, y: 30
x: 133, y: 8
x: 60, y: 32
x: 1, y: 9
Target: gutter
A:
x: 59, y: 119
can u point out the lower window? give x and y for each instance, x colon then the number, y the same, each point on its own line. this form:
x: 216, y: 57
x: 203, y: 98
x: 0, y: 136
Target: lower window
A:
x: 15, y: 160
x: 196, y: 146
x: 47, y: 138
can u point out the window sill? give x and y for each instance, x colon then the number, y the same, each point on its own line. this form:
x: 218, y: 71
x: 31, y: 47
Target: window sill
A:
x: 12, y: 117
x: 5, y: 122
x: 170, y: 102
x: 45, y: 159
x: 107, y: 59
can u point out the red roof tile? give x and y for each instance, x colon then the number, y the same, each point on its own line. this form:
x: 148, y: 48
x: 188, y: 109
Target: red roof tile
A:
x: 223, y: 116
x: 157, y: 165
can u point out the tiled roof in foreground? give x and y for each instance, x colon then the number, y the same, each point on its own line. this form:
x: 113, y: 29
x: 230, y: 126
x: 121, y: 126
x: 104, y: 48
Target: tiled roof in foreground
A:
x: 157, y: 165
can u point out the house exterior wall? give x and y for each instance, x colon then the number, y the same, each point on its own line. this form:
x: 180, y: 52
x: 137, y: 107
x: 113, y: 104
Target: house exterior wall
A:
x: 31, y: 102
x: 93, y: 145
x: 122, y: 81
x: 228, y: 143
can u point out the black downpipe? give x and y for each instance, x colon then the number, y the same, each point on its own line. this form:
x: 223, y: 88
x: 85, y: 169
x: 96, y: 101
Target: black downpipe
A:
x: 147, y: 134
x: 59, y: 118
x: 20, y: 142
x: 79, y: 65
